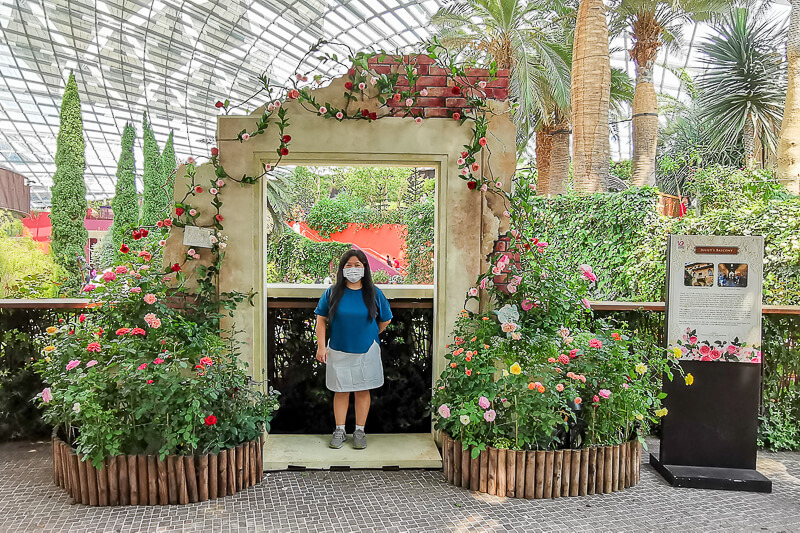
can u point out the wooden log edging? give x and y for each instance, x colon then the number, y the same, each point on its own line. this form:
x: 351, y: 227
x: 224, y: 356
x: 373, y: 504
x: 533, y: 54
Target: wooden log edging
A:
x: 148, y: 480
x: 540, y: 474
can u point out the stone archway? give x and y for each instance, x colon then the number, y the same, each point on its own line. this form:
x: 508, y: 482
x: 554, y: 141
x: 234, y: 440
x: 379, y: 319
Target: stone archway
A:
x: 467, y: 221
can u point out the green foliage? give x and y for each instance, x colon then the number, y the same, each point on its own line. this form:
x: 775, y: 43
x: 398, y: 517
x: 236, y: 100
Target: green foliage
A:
x: 779, y: 421
x: 107, y: 250
x: 168, y: 166
x: 415, y: 188
x: 418, y: 248
x: 125, y: 203
x: 156, y: 202
x: 719, y: 187
x: 743, y: 87
x: 26, y: 271
x: 332, y: 215
x: 141, y: 377
x: 302, y: 260
x: 68, y: 201
x: 380, y: 276
x: 621, y: 169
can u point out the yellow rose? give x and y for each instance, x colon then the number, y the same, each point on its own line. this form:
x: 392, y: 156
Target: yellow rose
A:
x: 661, y: 412
x: 49, y: 348
x: 515, y: 369
x: 641, y: 368
x: 677, y: 352
x: 689, y: 379
x: 51, y: 330
x: 47, y: 359
x: 639, y: 416
x: 505, y: 373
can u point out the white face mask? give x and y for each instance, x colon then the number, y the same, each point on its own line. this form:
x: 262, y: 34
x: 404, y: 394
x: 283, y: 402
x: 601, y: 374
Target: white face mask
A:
x: 353, y: 274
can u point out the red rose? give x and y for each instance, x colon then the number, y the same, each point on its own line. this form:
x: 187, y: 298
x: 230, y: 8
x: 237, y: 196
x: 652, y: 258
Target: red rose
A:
x: 351, y: 72
x: 136, y: 235
x: 175, y: 267
x: 348, y: 85
x: 168, y: 222
x: 373, y: 116
x: 471, y: 184
x: 219, y: 104
x: 219, y: 218
x: 284, y: 151
x: 72, y: 332
x: 124, y: 249
x: 82, y: 318
x: 211, y: 420
x: 293, y: 94
x: 286, y: 139
x: 396, y: 97
x: 456, y: 90
x: 178, y: 211
x: 144, y: 233
x: 160, y: 223
x: 364, y: 113
x: 149, y: 381
x: 482, y: 141
x: 464, y: 154
x: 456, y: 116
x: 198, y: 189
x: 215, y: 151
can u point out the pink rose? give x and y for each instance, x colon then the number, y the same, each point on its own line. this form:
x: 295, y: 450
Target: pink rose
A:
x: 484, y: 281
x: 526, y: 305
x: 323, y: 110
x: 340, y: 115
x: 362, y: 85
x: 109, y: 276
x: 596, y: 398
x: 586, y: 272
x: 142, y: 366
x: 512, y: 288
x: 732, y: 349
x: 409, y: 101
x: 563, y: 359
x: 604, y: 393
x: 89, y: 287
x: 423, y: 92
x: 489, y: 415
x: 692, y: 340
x: 444, y: 411
x: 136, y: 290
x: 482, y: 84
x: 460, y: 161
x: 560, y: 387
x: 706, y: 358
x: 705, y: 349
x: 595, y: 343
x: 91, y: 363
x: 245, y: 136
x: 220, y: 183
x: 47, y: 396
x: 150, y: 298
x: 418, y: 120
x: 121, y: 269
x: 715, y: 354
x: 72, y: 364
x: 473, y: 291
x: 483, y: 402
x: 586, y: 303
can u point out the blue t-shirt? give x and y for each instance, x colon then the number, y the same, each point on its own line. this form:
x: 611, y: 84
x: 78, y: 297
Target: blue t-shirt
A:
x: 352, y: 331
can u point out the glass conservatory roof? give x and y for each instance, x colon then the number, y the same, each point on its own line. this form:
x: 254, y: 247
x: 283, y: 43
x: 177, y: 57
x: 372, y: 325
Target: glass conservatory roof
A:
x: 174, y: 59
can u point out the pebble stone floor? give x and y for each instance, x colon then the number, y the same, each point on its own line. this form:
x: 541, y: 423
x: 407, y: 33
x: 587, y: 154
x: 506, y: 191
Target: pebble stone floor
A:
x: 398, y: 501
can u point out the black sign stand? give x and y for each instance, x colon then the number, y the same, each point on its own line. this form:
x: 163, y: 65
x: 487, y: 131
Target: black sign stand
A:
x: 709, y: 434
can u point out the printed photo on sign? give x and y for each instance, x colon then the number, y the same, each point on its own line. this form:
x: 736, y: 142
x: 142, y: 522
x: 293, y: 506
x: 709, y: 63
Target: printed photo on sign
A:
x: 732, y: 275
x: 698, y: 274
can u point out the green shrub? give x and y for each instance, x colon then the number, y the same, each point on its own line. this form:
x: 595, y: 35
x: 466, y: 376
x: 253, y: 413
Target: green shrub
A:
x: 300, y: 259
x: 419, y: 243
x: 125, y: 203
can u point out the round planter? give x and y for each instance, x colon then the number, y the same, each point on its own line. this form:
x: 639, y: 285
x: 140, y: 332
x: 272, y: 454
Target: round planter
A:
x: 148, y: 480
x: 542, y: 474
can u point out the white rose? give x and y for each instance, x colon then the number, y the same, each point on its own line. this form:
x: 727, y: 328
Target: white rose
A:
x: 76, y: 407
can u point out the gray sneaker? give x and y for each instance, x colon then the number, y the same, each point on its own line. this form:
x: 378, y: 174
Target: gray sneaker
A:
x: 339, y: 436
x: 359, y: 439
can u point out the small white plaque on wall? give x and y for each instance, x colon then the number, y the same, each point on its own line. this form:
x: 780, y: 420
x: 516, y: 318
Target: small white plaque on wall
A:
x: 197, y: 237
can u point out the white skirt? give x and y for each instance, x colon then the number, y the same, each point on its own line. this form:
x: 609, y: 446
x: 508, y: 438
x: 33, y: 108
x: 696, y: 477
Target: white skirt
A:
x: 348, y: 372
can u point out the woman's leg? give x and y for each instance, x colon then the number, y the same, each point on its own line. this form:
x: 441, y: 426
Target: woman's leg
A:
x: 341, y: 401
x: 362, y: 406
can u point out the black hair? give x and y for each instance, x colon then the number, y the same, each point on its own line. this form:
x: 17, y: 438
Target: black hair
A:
x: 367, y: 287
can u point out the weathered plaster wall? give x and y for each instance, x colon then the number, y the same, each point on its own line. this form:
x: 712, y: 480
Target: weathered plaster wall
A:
x: 467, y: 221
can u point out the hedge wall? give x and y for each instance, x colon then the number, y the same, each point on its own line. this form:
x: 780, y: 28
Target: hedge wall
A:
x: 300, y: 259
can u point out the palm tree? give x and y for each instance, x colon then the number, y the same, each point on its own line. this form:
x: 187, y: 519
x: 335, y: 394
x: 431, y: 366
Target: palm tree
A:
x: 743, y: 88
x: 591, y: 92
x: 524, y: 37
x: 280, y: 185
x: 789, y: 145
x: 653, y: 24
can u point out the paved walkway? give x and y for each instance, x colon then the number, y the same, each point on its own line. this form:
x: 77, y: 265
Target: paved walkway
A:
x: 412, y: 500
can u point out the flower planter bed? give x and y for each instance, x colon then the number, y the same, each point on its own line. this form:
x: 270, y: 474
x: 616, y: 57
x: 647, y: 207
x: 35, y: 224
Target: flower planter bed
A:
x: 542, y: 474
x: 148, y: 480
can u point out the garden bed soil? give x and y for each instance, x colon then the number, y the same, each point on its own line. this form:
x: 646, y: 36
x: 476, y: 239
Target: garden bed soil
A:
x: 148, y: 480
x: 542, y: 474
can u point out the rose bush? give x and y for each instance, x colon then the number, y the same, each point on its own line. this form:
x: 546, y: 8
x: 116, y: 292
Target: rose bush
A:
x: 139, y: 376
x: 534, y: 370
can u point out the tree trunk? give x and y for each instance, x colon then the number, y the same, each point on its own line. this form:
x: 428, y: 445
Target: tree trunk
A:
x: 749, y: 141
x: 646, y: 36
x: 559, y: 159
x: 789, y: 143
x: 544, y: 147
x: 591, y: 92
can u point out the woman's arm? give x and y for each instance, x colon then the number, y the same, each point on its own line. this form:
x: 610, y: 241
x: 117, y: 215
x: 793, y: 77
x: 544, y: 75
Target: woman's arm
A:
x: 382, y: 326
x: 322, y: 351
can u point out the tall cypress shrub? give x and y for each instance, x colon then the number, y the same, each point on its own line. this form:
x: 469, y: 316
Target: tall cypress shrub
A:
x: 125, y: 202
x: 68, y: 193
x: 167, y: 168
x: 154, y: 207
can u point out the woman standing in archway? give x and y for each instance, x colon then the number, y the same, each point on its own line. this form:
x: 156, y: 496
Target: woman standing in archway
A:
x: 356, y: 311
